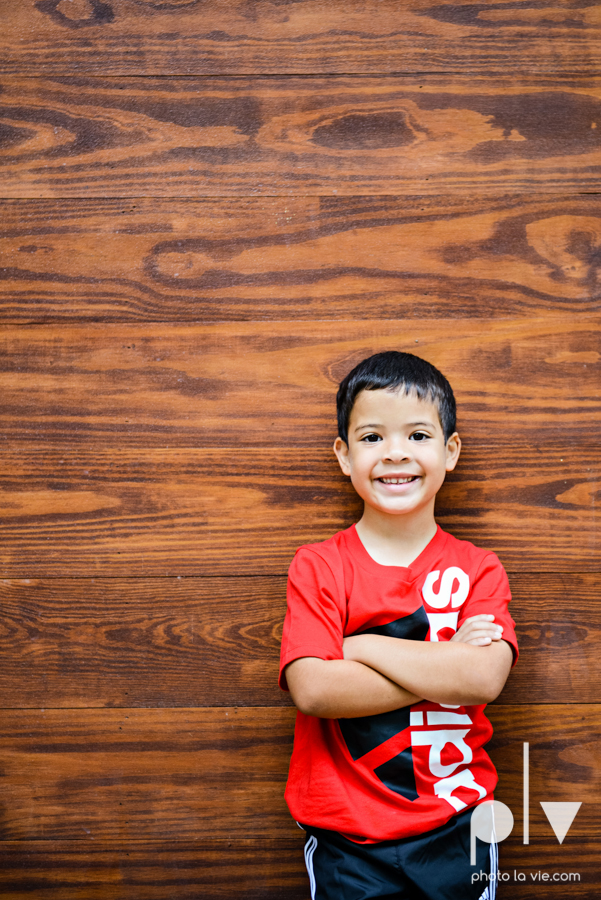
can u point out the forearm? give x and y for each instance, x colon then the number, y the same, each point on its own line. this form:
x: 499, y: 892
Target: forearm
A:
x: 445, y: 672
x: 341, y: 688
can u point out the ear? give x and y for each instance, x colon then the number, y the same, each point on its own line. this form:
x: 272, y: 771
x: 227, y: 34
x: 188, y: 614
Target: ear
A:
x: 453, y: 450
x: 341, y: 451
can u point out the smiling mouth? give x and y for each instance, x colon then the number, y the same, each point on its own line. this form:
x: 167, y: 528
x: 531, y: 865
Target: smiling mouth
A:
x: 399, y: 480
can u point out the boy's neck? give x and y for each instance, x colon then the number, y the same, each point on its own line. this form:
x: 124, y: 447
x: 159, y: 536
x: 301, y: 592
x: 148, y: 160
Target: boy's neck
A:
x: 396, y: 540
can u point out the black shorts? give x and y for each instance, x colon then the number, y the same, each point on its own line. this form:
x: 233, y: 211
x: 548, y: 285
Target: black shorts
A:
x: 430, y: 866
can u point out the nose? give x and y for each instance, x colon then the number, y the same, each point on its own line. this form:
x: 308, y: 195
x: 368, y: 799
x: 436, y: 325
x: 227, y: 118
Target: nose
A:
x: 397, y: 451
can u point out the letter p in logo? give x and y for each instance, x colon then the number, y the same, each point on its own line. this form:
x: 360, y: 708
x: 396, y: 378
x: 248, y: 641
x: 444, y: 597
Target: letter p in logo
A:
x: 492, y: 822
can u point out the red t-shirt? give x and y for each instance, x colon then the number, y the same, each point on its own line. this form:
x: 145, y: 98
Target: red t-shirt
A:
x: 404, y: 772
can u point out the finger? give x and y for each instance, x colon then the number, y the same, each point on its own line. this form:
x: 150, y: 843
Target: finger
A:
x: 486, y: 632
x: 479, y: 631
x: 485, y: 626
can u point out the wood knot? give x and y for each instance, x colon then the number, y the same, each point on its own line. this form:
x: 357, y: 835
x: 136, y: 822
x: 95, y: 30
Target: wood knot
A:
x: 77, y: 13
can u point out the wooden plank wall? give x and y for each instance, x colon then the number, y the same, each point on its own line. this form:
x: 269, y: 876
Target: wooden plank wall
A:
x: 209, y: 212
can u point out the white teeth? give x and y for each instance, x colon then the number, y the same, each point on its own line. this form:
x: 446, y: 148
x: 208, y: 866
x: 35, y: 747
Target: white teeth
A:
x: 397, y: 480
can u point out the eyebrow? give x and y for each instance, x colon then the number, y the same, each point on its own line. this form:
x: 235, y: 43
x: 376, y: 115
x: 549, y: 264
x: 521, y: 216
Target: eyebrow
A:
x: 369, y: 425
x: 379, y: 425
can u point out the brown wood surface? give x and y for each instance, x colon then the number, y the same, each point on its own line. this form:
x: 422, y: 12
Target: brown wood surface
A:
x: 299, y: 258
x: 152, y: 774
x: 516, y: 380
x: 188, y: 266
x: 306, y: 36
x: 558, y: 620
x: 154, y: 870
x: 564, y: 759
x: 141, y: 642
x: 112, y: 870
x: 187, y: 774
x: 193, y: 137
x: 544, y: 854
x: 67, y: 642
x: 245, y: 511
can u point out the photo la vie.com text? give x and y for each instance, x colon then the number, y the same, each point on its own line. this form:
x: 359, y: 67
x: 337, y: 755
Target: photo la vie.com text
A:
x: 517, y: 877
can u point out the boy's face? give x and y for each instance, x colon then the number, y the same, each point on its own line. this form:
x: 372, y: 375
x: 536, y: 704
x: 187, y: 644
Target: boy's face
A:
x: 396, y: 456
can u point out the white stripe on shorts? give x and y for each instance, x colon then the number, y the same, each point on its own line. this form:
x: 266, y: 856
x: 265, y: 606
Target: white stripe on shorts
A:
x: 490, y: 892
x: 309, y: 851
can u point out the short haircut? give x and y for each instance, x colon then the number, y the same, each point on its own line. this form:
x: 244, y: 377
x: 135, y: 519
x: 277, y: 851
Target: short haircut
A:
x: 392, y: 371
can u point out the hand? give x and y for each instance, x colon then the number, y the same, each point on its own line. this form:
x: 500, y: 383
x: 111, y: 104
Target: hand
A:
x: 480, y: 631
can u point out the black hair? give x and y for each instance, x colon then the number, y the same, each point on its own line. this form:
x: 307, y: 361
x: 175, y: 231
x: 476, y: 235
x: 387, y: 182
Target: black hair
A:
x: 393, y: 370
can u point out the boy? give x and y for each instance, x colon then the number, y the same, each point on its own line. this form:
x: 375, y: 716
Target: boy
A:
x: 396, y: 636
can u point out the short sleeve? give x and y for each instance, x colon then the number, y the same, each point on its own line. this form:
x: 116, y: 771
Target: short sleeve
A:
x: 490, y: 594
x: 314, y: 620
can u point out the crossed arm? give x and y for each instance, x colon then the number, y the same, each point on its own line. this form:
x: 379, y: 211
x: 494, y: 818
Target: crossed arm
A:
x: 379, y: 674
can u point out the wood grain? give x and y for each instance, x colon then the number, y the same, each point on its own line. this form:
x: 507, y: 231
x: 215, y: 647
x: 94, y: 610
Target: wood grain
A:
x: 558, y: 620
x: 307, y: 36
x: 565, y: 736
x: 564, y: 749
x: 247, y: 384
x: 188, y: 266
x: 179, y: 870
x: 145, y: 774
x: 545, y: 854
x: 126, y: 137
x: 269, y: 870
x: 143, y: 642
x: 185, y: 774
x: 224, y: 512
x: 299, y: 258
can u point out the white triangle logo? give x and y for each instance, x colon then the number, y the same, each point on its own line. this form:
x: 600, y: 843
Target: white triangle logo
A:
x: 561, y: 816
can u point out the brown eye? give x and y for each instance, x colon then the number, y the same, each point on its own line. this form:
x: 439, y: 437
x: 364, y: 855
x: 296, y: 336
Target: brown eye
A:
x: 371, y: 438
x: 419, y: 436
